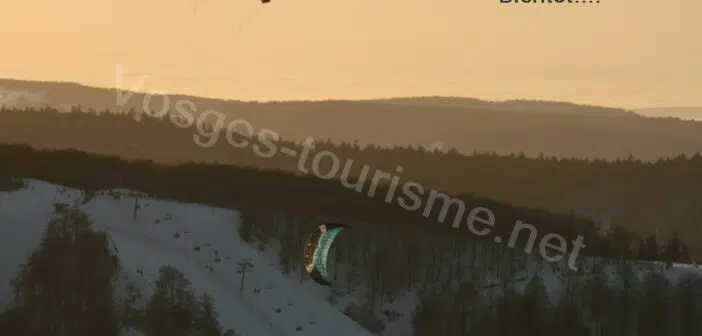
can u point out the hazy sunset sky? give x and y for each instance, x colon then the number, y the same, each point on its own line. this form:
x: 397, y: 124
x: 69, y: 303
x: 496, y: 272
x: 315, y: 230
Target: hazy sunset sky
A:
x: 627, y: 53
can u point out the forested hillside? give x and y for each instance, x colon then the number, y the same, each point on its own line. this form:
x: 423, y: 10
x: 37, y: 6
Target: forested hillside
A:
x: 395, y: 272
x: 647, y: 198
x: 552, y: 128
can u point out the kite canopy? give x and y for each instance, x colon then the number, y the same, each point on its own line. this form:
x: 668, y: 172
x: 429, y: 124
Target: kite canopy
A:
x: 265, y: 1
x: 317, y: 249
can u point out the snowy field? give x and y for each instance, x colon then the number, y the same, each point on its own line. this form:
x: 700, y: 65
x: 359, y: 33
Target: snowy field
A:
x: 200, y: 241
x: 203, y: 243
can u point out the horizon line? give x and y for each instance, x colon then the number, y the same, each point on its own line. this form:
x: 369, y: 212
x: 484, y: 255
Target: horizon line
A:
x: 359, y: 99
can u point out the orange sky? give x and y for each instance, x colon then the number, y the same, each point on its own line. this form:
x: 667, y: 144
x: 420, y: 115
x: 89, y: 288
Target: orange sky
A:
x: 628, y: 53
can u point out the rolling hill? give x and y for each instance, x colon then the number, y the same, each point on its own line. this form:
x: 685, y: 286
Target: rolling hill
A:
x: 469, y: 125
x: 689, y: 112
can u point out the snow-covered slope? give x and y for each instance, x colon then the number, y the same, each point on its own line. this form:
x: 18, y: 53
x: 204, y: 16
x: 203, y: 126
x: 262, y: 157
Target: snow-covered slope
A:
x: 200, y: 241
x: 203, y: 243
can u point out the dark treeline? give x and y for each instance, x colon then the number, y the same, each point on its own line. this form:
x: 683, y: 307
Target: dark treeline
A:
x: 308, y: 197
x: 662, y: 197
x: 70, y: 284
x: 470, y: 287
x: 624, y: 305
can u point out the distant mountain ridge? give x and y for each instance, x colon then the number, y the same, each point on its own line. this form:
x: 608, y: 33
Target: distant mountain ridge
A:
x: 68, y: 91
x: 684, y: 112
x: 517, y: 105
x: 467, y: 124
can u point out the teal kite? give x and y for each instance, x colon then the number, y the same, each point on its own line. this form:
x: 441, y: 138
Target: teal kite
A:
x: 317, y: 249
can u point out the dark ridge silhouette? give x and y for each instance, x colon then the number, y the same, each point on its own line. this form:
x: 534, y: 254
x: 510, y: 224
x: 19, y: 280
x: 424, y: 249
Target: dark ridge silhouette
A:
x: 683, y: 112
x: 517, y: 105
x: 68, y: 92
x: 643, y: 197
x: 554, y: 129
x: 307, y: 197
